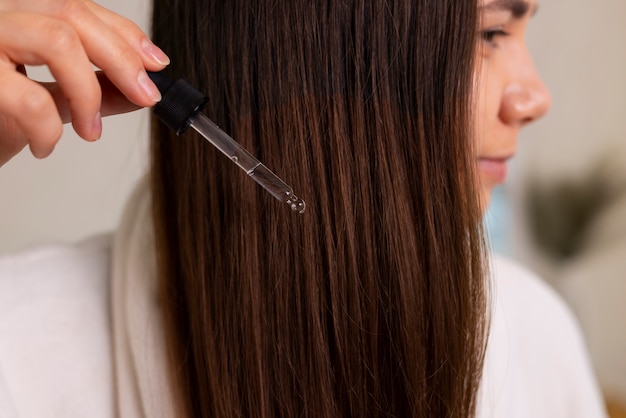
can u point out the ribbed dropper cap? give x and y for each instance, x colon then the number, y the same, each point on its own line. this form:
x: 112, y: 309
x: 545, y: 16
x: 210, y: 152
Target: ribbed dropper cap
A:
x: 180, y: 102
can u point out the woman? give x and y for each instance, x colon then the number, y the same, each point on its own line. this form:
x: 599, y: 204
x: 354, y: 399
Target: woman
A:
x: 374, y: 301
x: 347, y: 309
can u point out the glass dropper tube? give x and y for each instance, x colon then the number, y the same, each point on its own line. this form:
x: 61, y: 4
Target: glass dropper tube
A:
x: 247, y: 162
x: 180, y: 108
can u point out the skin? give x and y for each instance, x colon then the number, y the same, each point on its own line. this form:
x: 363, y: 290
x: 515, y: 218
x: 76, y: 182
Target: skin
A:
x: 510, y: 92
x: 68, y: 36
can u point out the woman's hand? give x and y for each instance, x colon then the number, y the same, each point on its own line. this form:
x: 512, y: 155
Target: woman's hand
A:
x: 69, y: 36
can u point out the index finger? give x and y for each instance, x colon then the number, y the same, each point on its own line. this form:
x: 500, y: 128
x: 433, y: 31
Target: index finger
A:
x: 111, y: 49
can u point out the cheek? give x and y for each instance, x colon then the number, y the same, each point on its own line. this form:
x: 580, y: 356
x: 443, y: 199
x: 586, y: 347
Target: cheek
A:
x: 488, y: 98
x: 488, y: 88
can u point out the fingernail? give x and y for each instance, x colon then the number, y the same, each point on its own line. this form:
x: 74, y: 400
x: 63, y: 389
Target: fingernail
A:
x: 148, y: 87
x: 155, y: 52
x: 97, y: 126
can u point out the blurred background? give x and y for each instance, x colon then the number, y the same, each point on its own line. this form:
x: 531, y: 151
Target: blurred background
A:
x: 562, y: 212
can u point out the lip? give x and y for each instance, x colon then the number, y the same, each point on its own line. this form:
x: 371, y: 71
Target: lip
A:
x: 494, y: 168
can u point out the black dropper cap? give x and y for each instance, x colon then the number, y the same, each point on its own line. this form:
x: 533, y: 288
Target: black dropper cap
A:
x: 180, y: 102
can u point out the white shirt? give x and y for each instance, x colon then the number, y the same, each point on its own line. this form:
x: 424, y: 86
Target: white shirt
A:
x: 55, y: 336
x: 536, y: 363
x: 56, y: 349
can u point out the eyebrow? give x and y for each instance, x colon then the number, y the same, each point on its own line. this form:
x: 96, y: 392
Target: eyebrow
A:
x: 518, y: 8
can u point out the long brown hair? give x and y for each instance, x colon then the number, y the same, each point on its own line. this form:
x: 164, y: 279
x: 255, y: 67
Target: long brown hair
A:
x: 372, y: 302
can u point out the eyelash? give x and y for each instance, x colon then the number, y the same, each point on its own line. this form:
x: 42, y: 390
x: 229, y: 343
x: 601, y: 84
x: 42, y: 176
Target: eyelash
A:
x: 489, y: 35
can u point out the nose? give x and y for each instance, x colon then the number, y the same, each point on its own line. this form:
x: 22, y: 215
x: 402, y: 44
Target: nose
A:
x: 525, y: 98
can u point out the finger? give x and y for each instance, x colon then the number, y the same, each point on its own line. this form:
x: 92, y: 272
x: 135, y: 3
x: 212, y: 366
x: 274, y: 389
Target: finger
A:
x: 32, y: 109
x: 13, y: 139
x: 113, y: 101
x: 110, y: 52
x: 54, y: 43
x: 153, y: 57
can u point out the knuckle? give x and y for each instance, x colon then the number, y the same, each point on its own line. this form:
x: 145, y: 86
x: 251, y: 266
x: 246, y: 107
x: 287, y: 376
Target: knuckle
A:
x: 71, y: 9
x: 132, y: 28
x: 35, y: 103
x: 61, y: 37
x: 128, y: 59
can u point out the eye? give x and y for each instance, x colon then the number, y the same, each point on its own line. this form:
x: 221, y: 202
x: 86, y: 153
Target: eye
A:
x: 490, y: 35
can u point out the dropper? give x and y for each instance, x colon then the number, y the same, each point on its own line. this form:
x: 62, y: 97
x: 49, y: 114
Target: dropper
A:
x: 180, y: 108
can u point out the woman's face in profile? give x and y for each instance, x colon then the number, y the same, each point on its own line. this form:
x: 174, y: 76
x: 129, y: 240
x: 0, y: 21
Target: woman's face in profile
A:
x: 511, y: 94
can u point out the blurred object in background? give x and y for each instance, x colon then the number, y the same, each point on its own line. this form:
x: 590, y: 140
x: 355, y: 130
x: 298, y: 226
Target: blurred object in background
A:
x: 568, y: 216
x: 615, y: 410
x: 579, y: 224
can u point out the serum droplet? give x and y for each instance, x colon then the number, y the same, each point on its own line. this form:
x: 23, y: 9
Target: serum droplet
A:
x: 296, y: 204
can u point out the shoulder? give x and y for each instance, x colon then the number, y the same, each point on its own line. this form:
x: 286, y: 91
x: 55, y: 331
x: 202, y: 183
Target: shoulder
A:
x: 55, y: 326
x: 45, y: 259
x: 528, y: 312
x: 536, y: 363
x: 528, y: 303
x: 46, y: 278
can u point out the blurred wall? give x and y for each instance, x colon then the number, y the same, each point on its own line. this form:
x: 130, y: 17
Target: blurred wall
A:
x: 578, y: 46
